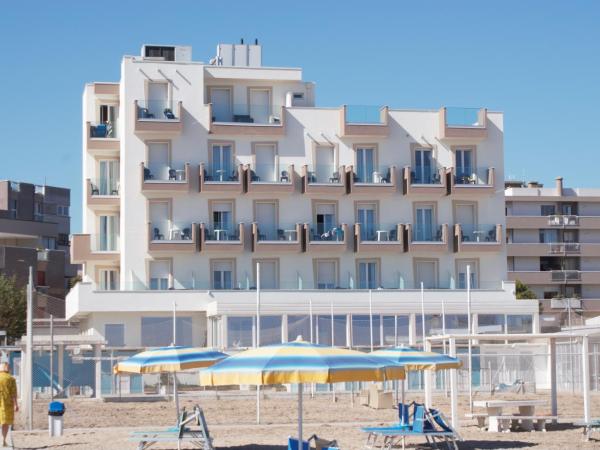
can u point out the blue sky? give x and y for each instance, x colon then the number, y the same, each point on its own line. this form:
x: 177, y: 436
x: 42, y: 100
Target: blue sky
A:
x: 538, y: 61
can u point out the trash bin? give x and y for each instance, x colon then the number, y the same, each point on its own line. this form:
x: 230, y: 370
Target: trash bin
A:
x: 56, y: 411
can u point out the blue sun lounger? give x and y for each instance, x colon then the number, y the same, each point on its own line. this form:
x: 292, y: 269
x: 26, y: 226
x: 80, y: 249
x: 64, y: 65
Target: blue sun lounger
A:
x: 430, y: 425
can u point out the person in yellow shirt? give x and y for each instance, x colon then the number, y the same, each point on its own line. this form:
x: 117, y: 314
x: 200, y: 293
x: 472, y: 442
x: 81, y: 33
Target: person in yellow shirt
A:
x: 8, y: 400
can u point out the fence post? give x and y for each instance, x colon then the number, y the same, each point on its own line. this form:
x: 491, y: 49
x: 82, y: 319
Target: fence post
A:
x: 585, y: 377
x: 453, y: 387
x: 553, y: 387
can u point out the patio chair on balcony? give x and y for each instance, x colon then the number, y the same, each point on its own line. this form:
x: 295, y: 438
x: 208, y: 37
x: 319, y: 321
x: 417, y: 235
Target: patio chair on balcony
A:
x: 280, y: 235
x: 335, y: 178
x: 100, y: 131
x: 491, y: 236
x: 157, y: 236
x: 95, y: 190
x: 146, y: 114
x: 393, y: 233
x: 312, y: 178
x: 435, y: 178
x: 186, y: 234
x: 147, y: 174
x: 115, y: 190
x: 169, y: 114
x: 233, y: 176
x: 253, y: 176
x: 388, y: 177
x: 172, y: 174
x: 285, y: 176
x: 438, y: 235
x: 207, y: 177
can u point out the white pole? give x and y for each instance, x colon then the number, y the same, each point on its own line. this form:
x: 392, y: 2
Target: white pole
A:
x: 470, y: 380
x: 585, y: 377
x: 300, y: 389
x: 51, y: 357
x: 333, y: 345
x: 174, y: 323
x: 29, y: 363
x: 176, y: 395
x: 310, y: 317
x: 423, y: 315
x: 257, y: 343
x: 454, y: 387
x: 371, y: 316
x: 444, y: 344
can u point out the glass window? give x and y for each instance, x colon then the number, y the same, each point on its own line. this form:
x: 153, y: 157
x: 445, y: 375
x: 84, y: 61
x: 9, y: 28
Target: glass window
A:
x: 361, y: 331
x: 222, y: 275
x: 403, y: 334
x: 300, y: 326
x: 365, y: 164
x: 519, y: 324
x: 114, y: 333
x: 326, y: 274
x: 158, y: 331
x: 367, y: 275
x: 270, y: 330
x: 490, y: 323
x: 389, y: 330
x: 324, y: 325
x: 462, y: 273
x: 160, y: 272
x: 109, y: 280
x: 548, y: 210
x: 239, y: 332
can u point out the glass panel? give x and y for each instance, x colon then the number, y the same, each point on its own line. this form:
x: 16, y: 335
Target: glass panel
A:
x: 490, y: 323
x: 240, y: 332
x: 364, y: 114
x: 299, y: 325
x: 361, y: 330
x: 114, y: 334
x: 270, y: 330
x: 519, y: 323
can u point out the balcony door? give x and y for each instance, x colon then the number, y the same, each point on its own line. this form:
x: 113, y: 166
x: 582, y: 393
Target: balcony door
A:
x: 159, y: 160
x: 260, y: 105
x: 426, y: 273
x: 326, y: 274
x: 221, y: 104
x: 365, y: 164
x: 222, y: 275
x: 108, y: 183
x: 158, y: 99
x: 423, y: 166
x: 222, y: 162
x: 109, y: 280
x: 222, y: 217
x: 367, y: 275
x: 266, y: 217
x: 265, y: 168
x: 462, y: 273
x: 108, y: 233
x: 424, y: 223
x: 268, y: 274
x: 160, y: 273
x: 464, y: 163
x: 366, y: 215
x: 108, y: 116
x: 324, y: 164
x: 159, y: 219
x: 326, y: 217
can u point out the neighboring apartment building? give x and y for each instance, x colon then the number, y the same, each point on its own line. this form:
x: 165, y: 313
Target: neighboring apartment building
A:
x: 34, y: 231
x: 194, y: 173
x: 553, y: 236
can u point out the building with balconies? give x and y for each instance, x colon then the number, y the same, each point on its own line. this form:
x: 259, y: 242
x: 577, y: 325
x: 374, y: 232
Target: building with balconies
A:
x: 553, y: 246
x: 198, y: 173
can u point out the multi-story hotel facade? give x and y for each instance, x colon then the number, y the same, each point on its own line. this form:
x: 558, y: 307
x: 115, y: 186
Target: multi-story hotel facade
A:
x: 193, y: 173
x: 554, y: 247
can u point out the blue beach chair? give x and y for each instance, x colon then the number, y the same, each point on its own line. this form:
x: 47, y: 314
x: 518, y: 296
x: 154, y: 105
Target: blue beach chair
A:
x: 293, y: 444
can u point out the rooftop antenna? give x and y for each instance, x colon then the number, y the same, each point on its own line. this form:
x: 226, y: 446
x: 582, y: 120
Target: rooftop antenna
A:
x: 255, y: 41
x: 241, y: 40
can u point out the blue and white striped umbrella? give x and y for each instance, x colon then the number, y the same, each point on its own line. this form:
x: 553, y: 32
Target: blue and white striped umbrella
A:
x: 169, y: 359
x: 413, y: 359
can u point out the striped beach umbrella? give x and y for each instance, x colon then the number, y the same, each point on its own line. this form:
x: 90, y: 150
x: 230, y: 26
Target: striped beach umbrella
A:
x: 169, y: 359
x: 299, y: 362
x: 412, y: 359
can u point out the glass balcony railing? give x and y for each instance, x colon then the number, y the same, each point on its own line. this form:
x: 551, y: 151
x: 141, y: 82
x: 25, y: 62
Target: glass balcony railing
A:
x: 107, y: 130
x: 427, y: 234
x: 321, y: 233
x: 104, y: 242
x: 471, y: 176
x: 565, y: 275
x: 565, y: 247
x: 174, y: 231
x: 364, y: 114
x: 379, y: 232
x: 425, y: 175
x: 221, y: 232
x: 221, y: 174
x: 375, y: 175
x: 270, y: 173
x: 164, y: 173
x: 563, y: 220
x: 463, y: 117
x: 104, y: 187
x: 245, y: 113
x: 282, y: 232
x: 156, y: 110
x: 325, y: 174
x: 478, y: 233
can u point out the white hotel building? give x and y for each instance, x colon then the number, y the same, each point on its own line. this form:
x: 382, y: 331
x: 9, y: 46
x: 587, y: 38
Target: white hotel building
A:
x: 195, y: 172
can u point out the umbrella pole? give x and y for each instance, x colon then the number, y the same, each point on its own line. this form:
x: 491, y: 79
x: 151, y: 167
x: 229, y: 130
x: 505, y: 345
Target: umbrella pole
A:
x: 176, y: 396
x: 300, y: 389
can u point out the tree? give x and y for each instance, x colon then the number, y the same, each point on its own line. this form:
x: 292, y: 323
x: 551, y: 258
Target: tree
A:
x: 13, y: 308
x: 523, y: 292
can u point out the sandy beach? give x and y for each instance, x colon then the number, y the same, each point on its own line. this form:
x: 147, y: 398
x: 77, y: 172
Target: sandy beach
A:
x: 94, y: 424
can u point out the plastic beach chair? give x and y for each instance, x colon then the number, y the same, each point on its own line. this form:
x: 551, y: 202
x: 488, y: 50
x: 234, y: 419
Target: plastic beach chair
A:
x: 293, y: 444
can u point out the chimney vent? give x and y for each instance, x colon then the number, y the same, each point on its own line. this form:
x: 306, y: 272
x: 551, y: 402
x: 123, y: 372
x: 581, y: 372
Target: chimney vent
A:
x: 559, y: 186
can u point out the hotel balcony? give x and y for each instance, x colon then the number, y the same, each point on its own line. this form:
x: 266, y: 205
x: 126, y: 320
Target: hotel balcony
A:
x: 214, y: 179
x: 554, y: 221
x: 172, y: 237
x: 427, y: 240
x: 278, y: 178
x: 474, y: 182
x: 102, y: 194
x: 361, y: 120
x: 425, y: 180
x: 247, y: 120
x: 381, y: 180
x: 94, y: 248
x: 379, y: 238
x: 222, y: 238
x: 464, y: 124
x: 102, y: 139
x: 285, y: 239
x: 326, y: 241
x: 563, y: 221
x: 555, y: 276
x: 553, y: 249
x: 324, y: 179
x: 477, y: 238
x: 158, y: 117
x: 165, y: 179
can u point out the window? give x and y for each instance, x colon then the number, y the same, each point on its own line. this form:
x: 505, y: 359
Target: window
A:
x: 548, y: 210
x: 423, y: 173
x: 365, y: 164
x: 461, y: 268
x: 114, y: 333
x: 266, y: 217
x: 519, y: 324
x: 326, y: 274
x: 326, y: 217
x: 63, y: 239
x: 108, y: 280
x: 158, y: 331
x: 62, y: 210
x: 366, y: 215
x: 222, y: 217
x: 49, y: 242
x: 324, y: 169
x: 424, y: 223
x: 166, y: 53
x: 548, y: 236
x: 108, y: 233
x: 426, y: 273
x: 159, y: 215
x: 388, y: 330
x: 299, y: 325
x: 361, y: 330
x: 160, y: 273
x: 270, y: 330
x: 260, y: 104
x: 368, y: 275
x: 464, y: 163
x: 240, y: 331
x: 222, y: 275
x: 14, y: 207
x: 325, y: 325
x: 222, y: 163
x: 490, y: 323
x: 108, y: 183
